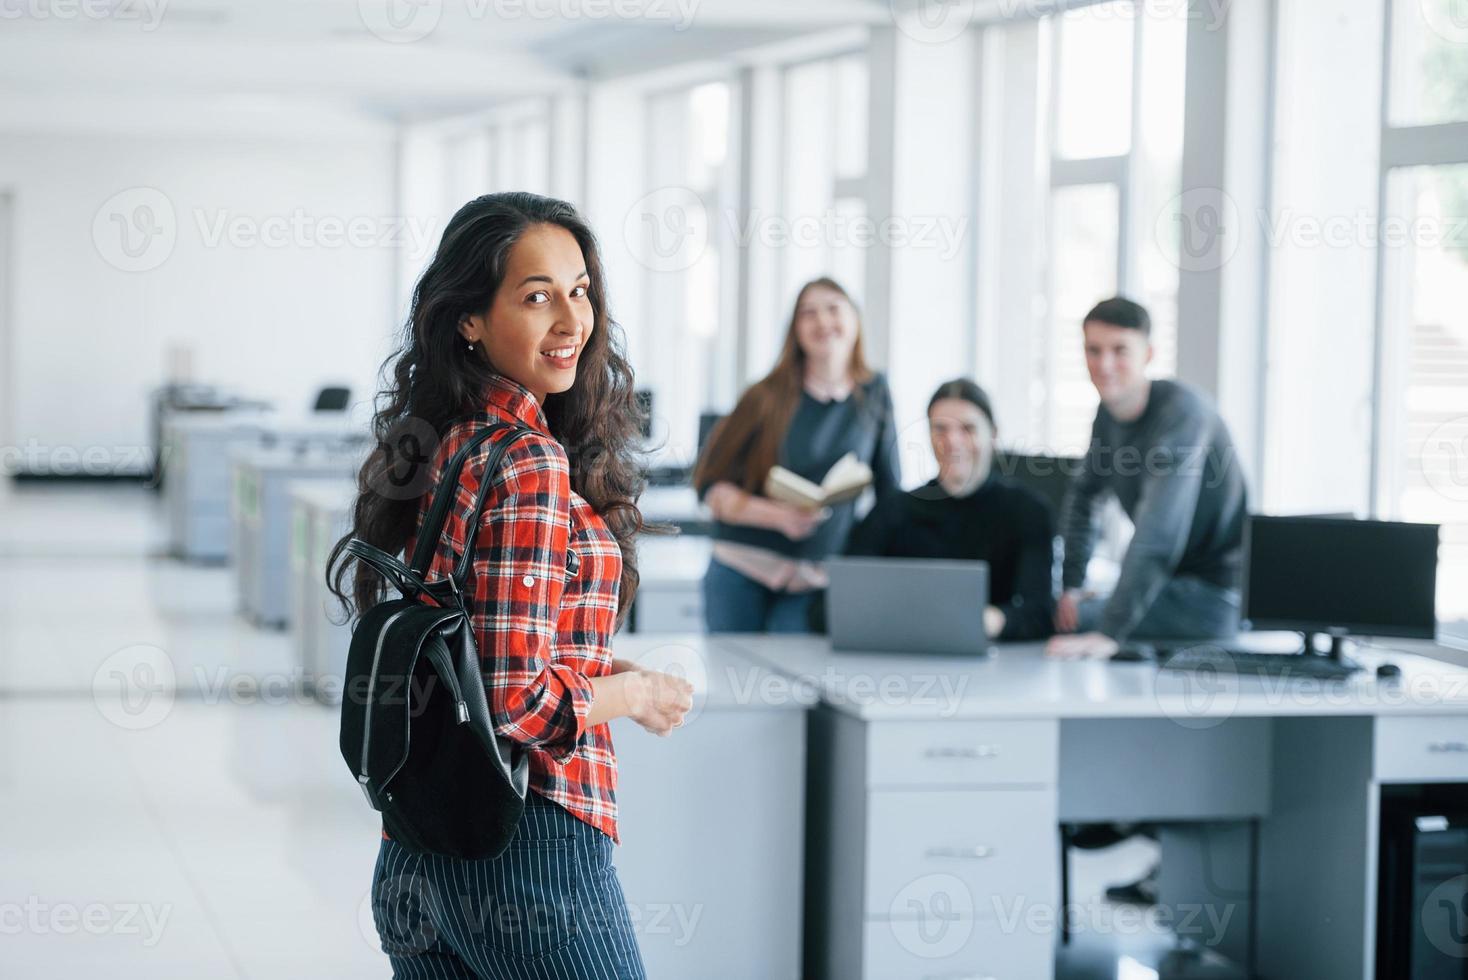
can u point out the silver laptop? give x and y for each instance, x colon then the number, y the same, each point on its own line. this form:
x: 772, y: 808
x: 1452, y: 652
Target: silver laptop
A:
x: 907, y: 605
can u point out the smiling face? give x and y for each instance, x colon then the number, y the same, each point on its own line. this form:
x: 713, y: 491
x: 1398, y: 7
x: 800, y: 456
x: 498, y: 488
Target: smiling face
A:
x: 541, y: 318
x: 1117, y: 359
x: 825, y: 325
x: 963, y: 441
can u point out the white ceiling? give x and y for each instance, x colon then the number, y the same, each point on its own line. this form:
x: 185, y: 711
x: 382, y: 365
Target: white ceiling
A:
x: 325, y: 65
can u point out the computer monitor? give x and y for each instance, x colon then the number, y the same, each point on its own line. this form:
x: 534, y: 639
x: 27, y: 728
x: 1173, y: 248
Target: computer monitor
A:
x: 1047, y: 476
x: 1340, y: 576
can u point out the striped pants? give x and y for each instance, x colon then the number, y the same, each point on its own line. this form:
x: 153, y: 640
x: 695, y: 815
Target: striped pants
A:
x: 550, y: 906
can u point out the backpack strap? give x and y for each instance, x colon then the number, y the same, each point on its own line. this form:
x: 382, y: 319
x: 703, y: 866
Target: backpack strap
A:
x: 443, y: 498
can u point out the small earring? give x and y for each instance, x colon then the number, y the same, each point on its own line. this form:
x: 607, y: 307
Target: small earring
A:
x: 471, y: 346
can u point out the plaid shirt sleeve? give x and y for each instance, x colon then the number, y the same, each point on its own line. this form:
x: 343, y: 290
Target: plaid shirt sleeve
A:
x: 519, y: 566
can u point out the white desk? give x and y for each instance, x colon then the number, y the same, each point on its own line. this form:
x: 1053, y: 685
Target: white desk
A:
x: 937, y: 785
x: 262, y: 519
x: 712, y: 820
x: 320, y: 515
x: 196, y: 454
x: 670, y: 593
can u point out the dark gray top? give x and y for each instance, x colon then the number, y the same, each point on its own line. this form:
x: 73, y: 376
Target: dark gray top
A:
x: 1176, y: 473
x: 820, y: 433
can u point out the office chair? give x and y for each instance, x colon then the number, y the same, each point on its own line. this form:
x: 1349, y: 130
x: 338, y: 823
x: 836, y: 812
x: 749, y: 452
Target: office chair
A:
x: 333, y: 399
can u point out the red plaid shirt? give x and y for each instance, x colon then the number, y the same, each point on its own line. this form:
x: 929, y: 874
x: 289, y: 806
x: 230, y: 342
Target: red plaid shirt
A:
x: 546, y: 573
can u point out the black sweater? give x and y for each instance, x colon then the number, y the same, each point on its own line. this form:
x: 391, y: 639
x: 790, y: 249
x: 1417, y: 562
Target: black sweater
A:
x: 1003, y: 524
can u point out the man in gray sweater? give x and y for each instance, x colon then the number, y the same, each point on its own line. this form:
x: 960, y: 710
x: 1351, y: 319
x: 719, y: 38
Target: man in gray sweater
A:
x: 1163, y: 451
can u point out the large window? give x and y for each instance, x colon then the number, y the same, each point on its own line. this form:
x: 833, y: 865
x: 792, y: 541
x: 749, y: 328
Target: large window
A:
x: 824, y: 163
x: 690, y: 361
x: 1113, y: 121
x: 1422, y: 398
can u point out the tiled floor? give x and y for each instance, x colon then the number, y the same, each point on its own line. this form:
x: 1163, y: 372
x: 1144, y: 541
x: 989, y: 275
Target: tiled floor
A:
x: 211, y: 832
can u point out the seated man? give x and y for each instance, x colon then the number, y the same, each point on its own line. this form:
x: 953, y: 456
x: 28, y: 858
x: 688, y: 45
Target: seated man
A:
x: 1163, y: 451
x: 971, y: 512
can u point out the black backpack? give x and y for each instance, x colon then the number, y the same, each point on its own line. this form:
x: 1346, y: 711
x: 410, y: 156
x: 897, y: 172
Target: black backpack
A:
x: 415, y: 726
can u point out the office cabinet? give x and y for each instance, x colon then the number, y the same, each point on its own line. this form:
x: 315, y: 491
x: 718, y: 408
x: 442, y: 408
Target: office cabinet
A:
x: 935, y: 835
x: 262, y: 521
x: 320, y: 516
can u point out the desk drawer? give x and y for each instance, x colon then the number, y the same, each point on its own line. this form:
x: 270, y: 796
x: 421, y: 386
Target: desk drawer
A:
x: 955, y: 949
x: 962, y: 753
x: 964, y: 852
x: 670, y: 610
x: 1422, y: 749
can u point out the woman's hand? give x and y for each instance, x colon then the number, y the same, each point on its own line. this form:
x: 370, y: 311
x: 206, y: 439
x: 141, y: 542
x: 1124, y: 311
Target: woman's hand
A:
x: 658, y: 701
x: 798, y: 523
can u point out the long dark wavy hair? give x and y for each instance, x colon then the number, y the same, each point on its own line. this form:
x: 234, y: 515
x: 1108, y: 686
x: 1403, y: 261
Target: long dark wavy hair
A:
x: 433, y: 381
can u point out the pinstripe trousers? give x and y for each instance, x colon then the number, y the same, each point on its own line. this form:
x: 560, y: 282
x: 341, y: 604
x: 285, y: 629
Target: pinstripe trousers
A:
x: 549, y: 907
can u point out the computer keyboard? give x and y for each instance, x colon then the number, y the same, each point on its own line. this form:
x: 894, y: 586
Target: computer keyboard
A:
x: 1260, y: 664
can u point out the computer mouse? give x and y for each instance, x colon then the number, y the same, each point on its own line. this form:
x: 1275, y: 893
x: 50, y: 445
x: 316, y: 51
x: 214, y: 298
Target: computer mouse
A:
x: 1135, y: 653
x: 1388, y: 671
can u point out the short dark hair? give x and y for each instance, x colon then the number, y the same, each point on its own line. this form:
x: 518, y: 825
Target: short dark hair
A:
x: 1118, y: 311
x: 968, y: 391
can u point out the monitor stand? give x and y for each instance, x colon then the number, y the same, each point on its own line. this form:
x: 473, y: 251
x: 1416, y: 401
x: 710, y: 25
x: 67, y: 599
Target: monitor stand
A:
x: 1337, y: 651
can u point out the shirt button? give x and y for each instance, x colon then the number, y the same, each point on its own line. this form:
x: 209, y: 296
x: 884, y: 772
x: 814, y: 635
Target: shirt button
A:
x: 528, y: 580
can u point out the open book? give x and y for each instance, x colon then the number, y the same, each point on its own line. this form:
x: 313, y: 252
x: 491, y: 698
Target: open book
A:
x: 845, y: 480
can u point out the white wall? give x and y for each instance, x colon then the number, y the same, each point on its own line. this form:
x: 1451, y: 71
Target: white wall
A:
x: 275, y: 299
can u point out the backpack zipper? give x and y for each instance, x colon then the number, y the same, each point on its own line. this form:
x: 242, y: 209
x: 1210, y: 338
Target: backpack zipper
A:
x: 367, y: 711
